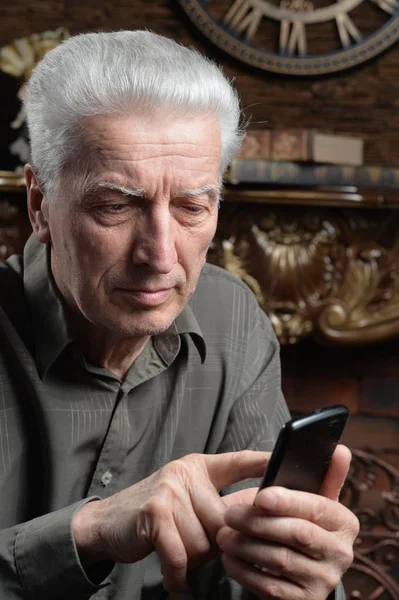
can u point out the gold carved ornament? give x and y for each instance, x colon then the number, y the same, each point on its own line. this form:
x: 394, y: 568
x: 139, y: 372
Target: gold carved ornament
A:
x: 18, y: 59
x: 334, y: 275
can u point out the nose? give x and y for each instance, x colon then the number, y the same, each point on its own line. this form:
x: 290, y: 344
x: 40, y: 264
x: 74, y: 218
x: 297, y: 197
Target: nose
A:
x: 154, y: 241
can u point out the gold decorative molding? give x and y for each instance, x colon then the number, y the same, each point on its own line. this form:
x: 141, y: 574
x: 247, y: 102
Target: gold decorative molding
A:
x: 328, y: 272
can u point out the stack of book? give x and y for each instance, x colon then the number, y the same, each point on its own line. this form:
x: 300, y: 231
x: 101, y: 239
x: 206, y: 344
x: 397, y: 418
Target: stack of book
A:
x: 306, y: 157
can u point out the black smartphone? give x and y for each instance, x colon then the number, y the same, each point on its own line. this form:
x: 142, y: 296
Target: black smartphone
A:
x: 303, y: 451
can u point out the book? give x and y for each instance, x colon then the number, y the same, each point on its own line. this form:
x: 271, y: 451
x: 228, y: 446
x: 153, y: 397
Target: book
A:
x: 257, y: 144
x: 303, y: 145
x: 261, y: 171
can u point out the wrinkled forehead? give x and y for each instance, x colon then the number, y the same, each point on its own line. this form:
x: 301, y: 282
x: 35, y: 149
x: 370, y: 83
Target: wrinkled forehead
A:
x: 125, y: 144
x: 159, y: 127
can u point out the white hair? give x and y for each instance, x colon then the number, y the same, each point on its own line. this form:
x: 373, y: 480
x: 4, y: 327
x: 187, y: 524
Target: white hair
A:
x: 120, y: 73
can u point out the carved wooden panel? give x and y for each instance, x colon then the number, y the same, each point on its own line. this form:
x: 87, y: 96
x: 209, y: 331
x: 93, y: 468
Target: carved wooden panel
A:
x: 329, y: 272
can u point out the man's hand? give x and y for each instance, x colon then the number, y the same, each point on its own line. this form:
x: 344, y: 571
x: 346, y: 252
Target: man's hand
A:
x: 291, y: 545
x: 177, y: 512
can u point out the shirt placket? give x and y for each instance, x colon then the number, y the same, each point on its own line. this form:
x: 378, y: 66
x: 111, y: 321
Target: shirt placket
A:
x: 113, y: 452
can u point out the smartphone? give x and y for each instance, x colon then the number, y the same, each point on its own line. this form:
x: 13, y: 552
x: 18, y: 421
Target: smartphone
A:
x: 304, y: 448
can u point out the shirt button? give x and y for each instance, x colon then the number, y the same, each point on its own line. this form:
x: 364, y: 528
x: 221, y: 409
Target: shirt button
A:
x: 106, y: 478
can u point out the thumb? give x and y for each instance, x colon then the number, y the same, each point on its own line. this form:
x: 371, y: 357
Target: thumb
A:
x: 232, y: 467
x: 337, y: 473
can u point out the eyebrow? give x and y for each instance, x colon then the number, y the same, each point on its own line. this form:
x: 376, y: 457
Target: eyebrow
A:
x: 210, y: 189
x: 110, y: 185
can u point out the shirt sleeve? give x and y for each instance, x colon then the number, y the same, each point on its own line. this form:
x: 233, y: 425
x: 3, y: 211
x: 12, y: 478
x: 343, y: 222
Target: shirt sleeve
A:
x: 39, y: 560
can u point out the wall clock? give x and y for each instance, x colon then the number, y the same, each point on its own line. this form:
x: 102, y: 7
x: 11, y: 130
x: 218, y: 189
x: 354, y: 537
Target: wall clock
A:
x: 298, y: 37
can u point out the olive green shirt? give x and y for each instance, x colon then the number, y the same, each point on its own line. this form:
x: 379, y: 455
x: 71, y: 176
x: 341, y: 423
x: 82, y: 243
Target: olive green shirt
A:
x: 71, y: 430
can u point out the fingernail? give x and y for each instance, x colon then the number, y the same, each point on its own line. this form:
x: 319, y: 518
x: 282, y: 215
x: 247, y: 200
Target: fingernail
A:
x: 235, y: 513
x: 266, y: 500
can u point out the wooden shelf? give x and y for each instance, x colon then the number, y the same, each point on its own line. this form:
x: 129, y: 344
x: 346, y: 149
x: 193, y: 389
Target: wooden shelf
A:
x: 345, y: 196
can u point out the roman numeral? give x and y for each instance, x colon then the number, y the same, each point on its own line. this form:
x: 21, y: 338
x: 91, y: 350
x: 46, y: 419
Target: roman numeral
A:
x: 390, y: 6
x: 292, y: 38
x: 243, y: 18
x: 347, y: 30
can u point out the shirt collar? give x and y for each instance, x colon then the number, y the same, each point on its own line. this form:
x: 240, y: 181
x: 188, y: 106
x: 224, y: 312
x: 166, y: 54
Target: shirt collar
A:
x: 52, y: 332
x: 186, y: 322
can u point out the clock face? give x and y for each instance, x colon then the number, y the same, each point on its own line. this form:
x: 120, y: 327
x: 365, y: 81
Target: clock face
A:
x: 298, y: 37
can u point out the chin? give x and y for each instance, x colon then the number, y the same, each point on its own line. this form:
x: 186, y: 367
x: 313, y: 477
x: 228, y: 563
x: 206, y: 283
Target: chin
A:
x: 141, y: 330
x: 145, y: 326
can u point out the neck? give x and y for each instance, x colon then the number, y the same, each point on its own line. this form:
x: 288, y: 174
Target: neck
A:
x: 115, y: 354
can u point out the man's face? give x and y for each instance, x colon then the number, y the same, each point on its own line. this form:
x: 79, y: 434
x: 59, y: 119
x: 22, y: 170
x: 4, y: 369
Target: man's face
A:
x: 127, y: 250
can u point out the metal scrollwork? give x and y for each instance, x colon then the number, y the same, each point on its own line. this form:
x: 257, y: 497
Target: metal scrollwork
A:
x: 372, y: 493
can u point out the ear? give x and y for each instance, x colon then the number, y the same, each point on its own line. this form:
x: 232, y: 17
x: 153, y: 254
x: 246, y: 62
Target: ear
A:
x: 37, y: 206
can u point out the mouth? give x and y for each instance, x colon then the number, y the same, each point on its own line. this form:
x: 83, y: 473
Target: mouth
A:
x: 148, y: 297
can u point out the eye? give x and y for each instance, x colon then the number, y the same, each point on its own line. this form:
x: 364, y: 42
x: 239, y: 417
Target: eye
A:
x: 115, y: 208
x: 194, y: 209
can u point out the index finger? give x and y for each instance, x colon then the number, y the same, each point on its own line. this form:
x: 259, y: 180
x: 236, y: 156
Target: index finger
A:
x: 232, y: 467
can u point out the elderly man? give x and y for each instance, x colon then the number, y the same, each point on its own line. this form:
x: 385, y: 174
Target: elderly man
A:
x: 140, y: 388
